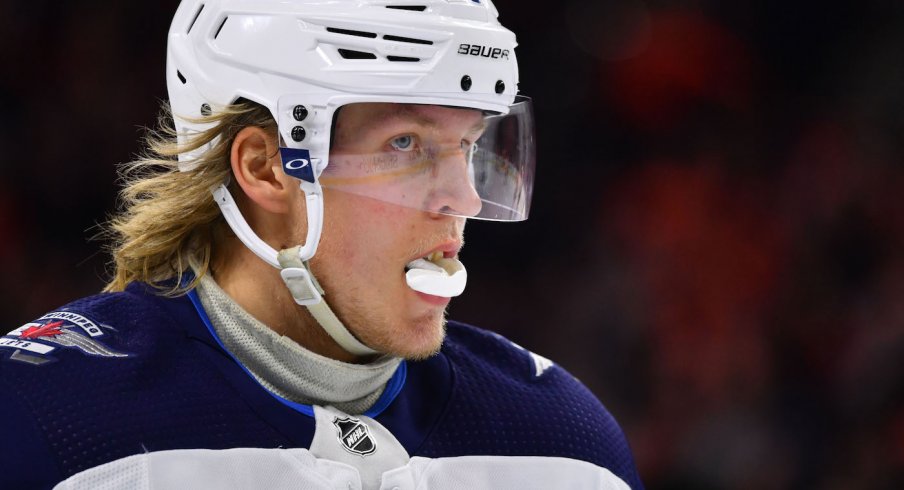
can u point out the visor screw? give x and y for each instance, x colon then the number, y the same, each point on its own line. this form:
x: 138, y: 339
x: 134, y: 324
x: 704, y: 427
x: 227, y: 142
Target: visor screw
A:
x: 300, y: 112
x: 205, y: 109
x: 466, y: 83
x: 298, y: 133
x: 500, y: 87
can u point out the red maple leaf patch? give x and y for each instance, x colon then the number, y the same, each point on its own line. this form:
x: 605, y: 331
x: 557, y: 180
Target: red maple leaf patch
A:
x: 51, y: 329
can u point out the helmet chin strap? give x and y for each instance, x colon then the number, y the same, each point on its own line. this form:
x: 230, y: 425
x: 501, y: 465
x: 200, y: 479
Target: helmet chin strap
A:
x: 299, y: 279
x: 292, y: 262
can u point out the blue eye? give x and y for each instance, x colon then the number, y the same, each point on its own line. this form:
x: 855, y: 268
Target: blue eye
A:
x: 403, y: 143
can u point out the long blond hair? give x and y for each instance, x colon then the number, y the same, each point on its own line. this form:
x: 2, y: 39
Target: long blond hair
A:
x: 167, y: 218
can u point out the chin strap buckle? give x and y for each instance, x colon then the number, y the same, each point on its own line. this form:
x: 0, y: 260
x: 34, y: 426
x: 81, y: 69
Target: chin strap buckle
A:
x: 302, y: 286
x: 298, y: 278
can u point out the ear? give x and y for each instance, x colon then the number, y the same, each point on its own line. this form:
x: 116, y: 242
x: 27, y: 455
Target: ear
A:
x: 257, y: 170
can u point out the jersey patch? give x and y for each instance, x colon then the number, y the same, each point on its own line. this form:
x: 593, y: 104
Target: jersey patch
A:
x: 354, y: 436
x: 60, y: 329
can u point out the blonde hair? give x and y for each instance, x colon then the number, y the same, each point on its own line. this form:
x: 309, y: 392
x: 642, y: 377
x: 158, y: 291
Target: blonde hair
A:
x: 167, y: 218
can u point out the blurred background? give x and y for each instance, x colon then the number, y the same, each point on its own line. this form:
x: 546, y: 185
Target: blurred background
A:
x: 716, y: 245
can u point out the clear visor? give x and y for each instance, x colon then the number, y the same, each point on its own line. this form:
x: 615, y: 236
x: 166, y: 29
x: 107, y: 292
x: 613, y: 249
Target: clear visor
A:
x: 439, y: 159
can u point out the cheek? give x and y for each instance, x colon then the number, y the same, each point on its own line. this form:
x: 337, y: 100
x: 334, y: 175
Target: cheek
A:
x: 364, y: 233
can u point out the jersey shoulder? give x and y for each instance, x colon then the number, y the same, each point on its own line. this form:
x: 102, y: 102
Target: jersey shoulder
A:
x: 507, y: 400
x: 106, y: 326
x: 59, y: 374
x: 113, y: 375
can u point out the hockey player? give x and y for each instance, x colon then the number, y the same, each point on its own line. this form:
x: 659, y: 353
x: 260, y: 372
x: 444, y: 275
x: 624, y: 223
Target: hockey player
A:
x: 283, y: 260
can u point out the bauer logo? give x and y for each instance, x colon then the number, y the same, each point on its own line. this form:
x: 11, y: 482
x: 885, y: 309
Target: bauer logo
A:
x: 483, y: 51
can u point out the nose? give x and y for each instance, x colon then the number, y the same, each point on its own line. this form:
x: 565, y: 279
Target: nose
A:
x: 452, y: 190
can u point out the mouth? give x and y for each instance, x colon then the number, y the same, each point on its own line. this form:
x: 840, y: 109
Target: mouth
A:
x: 443, y: 258
x: 437, y: 261
x: 438, y: 273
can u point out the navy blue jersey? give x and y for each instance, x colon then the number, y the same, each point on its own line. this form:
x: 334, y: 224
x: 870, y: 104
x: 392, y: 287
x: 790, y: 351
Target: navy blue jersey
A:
x: 123, y: 374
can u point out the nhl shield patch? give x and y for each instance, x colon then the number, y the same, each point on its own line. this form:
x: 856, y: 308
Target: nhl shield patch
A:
x: 354, y: 436
x: 60, y: 329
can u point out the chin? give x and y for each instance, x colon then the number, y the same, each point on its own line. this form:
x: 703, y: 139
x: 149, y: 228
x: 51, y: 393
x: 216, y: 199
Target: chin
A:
x: 420, y: 339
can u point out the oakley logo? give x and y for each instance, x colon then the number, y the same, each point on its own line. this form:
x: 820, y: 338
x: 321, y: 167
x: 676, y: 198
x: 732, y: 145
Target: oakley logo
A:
x: 483, y: 51
x: 297, y: 164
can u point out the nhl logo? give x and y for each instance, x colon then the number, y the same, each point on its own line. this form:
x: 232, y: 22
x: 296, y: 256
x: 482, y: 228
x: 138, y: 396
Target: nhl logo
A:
x: 354, y: 436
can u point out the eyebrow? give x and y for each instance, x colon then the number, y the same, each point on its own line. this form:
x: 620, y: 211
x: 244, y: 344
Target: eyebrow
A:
x: 406, y: 112
x: 409, y: 112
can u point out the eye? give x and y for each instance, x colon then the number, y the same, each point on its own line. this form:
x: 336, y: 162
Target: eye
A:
x: 403, y: 143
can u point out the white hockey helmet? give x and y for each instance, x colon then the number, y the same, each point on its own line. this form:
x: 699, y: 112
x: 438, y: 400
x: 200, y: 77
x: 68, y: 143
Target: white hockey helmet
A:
x: 305, y: 59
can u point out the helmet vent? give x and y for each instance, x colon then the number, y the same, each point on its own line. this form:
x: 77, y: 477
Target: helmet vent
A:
x: 181, y: 77
x: 349, y: 32
x: 401, y: 39
x: 351, y: 54
x: 402, y: 58
x: 195, y: 18
x: 413, y: 8
x: 221, y: 26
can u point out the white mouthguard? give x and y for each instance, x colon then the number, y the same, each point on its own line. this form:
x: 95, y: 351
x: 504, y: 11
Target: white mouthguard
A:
x: 444, y: 277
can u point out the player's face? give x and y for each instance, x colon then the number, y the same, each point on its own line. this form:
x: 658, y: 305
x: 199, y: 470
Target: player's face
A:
x: 367, y: 242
